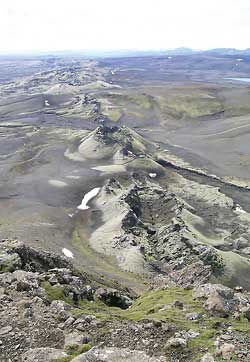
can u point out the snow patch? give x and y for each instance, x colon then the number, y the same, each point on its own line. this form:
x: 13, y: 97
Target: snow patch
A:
x: 152, y: 174
x: 57, y: 183
x: 67, y: 253
x: 73, y: 177
x: 87, y: 197
x: 240, y: 210
x: 46, y: 102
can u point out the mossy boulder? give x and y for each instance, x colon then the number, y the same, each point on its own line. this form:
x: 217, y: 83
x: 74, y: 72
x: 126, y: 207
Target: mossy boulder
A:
x: 9, y: 262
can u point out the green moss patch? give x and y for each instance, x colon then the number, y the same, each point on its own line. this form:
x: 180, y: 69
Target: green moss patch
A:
x: 7, y: 268
x: 55, y: 293
x: 158, y: 305
x: 74, y: 351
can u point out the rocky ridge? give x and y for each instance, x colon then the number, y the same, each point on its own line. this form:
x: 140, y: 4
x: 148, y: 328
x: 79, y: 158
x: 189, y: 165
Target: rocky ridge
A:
x: 153, y: 235
x: 194, y: 308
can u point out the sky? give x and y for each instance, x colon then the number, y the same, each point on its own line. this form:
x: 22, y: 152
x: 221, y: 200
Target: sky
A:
x: 47, y: 25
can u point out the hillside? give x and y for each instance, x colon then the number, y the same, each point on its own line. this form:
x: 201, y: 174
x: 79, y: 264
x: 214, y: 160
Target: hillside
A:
x: 124, y: 209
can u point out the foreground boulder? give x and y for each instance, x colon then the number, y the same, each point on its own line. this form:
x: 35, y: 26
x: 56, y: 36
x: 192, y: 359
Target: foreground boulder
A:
x: 222, y: 301
x: 42, y: 355
x: 75, y: 339
x: 176, y: 343
x: 206, y: 290
x: 116, y: 355
x: 113, y: 298
x: 207, y: 358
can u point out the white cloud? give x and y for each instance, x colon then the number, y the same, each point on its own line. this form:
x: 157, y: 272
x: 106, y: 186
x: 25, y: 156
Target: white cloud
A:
x: 114, y: 24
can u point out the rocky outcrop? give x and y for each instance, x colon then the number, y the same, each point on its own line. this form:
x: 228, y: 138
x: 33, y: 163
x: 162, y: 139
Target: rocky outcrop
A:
x: 34, y: 259
x: 113, y: 298
x: 150, y: 233
x: 222, y: 301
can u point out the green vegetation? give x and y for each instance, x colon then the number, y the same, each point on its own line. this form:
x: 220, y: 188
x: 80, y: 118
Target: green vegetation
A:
x: 112, y: 114
x: 55, y: 293
x: 6, y: 263
x: 100, y: 310
x: 158, y: 305
x: 7, y: 268
x: 140, y: 100
x: 216, y: 262
x: 73, y: 351
x: 153, y: 305
x: 204, y: 340
x: 133, y: 104
x: 189, y: 105
x: 182, y: 102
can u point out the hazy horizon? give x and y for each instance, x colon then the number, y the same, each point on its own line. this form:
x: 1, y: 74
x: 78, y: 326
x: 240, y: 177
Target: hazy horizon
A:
x: 100, y: 52
x: 29, y: 26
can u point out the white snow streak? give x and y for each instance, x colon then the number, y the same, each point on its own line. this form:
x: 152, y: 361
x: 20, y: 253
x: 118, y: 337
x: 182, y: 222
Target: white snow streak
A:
x: 67, y: 253
x: 87, y: 197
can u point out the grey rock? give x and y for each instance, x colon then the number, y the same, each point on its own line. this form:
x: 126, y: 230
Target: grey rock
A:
x: 113, y: 297
x: 59, y: 305
x: 178, y: 304
x: 242, y: 299
x: 87, y: 292
x: 193, y: 316
x: 24, y: 303
x: 75, y: 338
x: 220, y: 300
x: 5, y: 330
x: 116, y: 355
x: 26, y: 281
x: 42, y: 355
x: 38, y: 260
x: 218, y: 306
x: 226, y: 350
x: 28, y: 313
x: 205, y: 290
x: 53, y: 279
x: 69, y: 322
x: 61, y: 309
x: 207, y: 358
x: 246, y: 312
x: 176, y: 342
x: 38, y: 301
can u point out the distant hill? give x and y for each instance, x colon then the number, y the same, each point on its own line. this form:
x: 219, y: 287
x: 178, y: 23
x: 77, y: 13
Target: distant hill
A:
x: 131, y: 53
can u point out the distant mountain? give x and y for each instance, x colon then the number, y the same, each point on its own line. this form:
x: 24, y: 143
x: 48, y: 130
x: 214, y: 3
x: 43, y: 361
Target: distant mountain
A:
x: 151, y: 52
x: 124, y: 53
x: 228, y: 51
